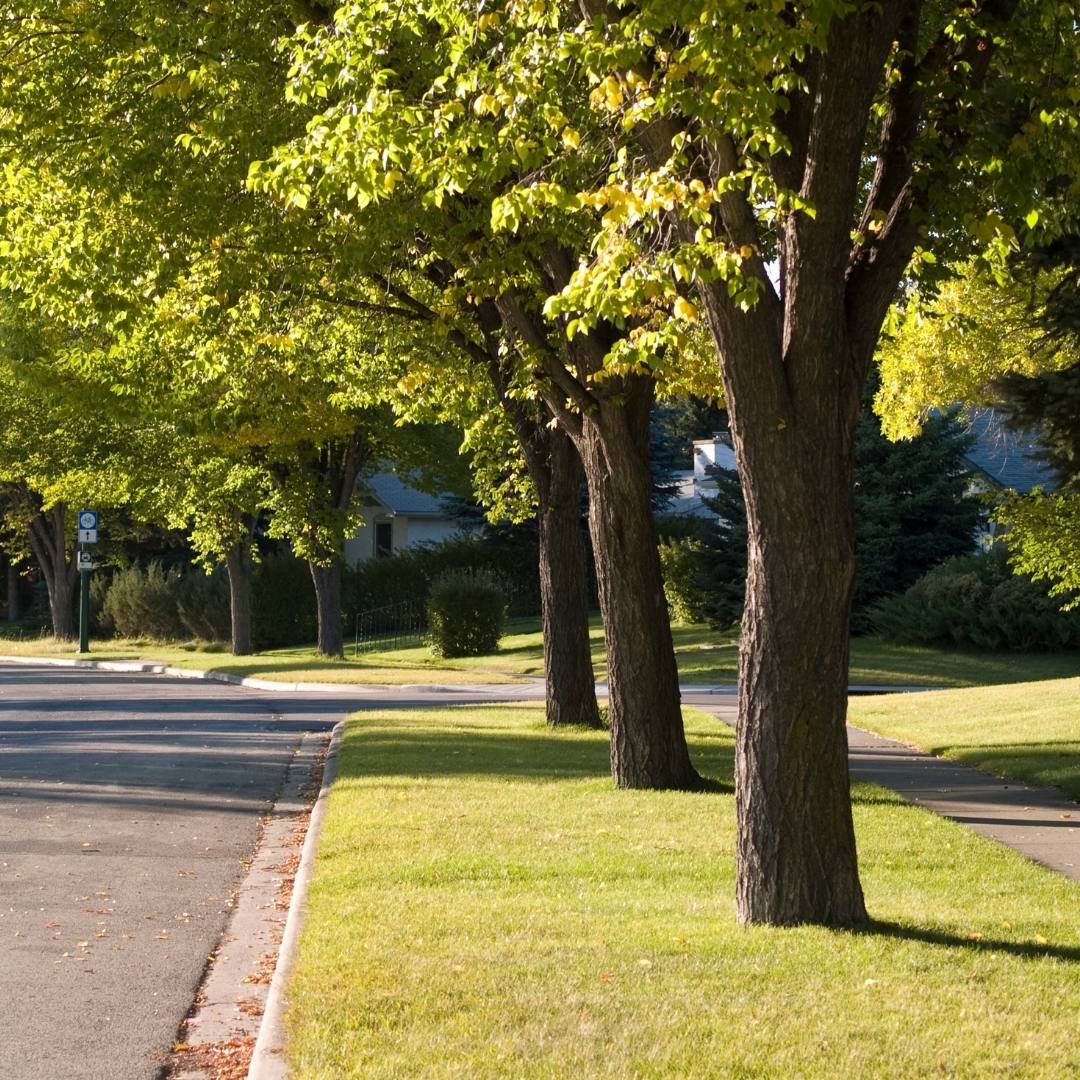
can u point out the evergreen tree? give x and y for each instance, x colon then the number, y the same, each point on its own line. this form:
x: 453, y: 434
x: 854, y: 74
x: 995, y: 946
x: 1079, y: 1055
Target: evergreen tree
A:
x: 912, y: 511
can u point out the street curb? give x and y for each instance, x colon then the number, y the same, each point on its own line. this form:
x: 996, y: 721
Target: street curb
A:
x: 273, y: 685
x: 268, y: 1058
x: 254, y: 683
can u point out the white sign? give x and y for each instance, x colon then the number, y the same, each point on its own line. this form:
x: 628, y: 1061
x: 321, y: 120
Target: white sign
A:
x: 88, y: 536
x: 86, y: 560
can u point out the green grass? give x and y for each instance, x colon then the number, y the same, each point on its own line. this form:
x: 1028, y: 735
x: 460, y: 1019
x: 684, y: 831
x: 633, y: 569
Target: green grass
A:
x: 294, y: 664
x: 705, y: 657
x: 485, y: 904
x: 1028, y: 732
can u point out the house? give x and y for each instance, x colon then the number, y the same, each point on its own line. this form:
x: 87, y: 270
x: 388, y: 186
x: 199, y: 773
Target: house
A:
x: 1003, y: 458
x: 693, y: 486
x: 398, y: 515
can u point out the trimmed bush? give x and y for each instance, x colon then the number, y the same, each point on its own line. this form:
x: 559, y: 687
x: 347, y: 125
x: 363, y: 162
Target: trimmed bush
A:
x: 282, y: 602
x: 466, y: 611
x: 680, y: 562
x: 977, y: 600
x: 202, y: 603
x: 142, y: 603
x: 510, y: 555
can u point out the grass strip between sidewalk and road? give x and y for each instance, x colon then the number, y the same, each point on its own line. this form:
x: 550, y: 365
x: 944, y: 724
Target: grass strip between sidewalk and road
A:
x: 485, y: 904
x: 1027, y: 731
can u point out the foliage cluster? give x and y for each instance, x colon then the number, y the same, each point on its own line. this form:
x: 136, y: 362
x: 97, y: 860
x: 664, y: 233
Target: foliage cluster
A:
x: 507, y: 554
x: 912, y: 510
x: 977, y: 600
x: 466, y: 612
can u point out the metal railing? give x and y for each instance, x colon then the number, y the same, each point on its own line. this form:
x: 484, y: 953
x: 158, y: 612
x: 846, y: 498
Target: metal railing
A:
x: 393, y: 626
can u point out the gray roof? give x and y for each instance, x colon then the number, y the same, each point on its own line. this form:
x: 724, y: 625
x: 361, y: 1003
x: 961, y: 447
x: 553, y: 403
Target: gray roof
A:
x: 1009, y: 459
x: 389, y: 490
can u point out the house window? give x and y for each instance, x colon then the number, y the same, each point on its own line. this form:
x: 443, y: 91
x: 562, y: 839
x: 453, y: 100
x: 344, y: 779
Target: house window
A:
x: 384, y: 538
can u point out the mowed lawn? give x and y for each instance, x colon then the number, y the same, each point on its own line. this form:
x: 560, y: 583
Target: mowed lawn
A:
x: 485, y: 904
x: 1027, y: 731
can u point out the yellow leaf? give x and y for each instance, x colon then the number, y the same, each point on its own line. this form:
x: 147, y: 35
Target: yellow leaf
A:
x: 683, y: 309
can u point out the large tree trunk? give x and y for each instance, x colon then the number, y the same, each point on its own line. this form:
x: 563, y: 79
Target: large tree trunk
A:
x: 609, y: 425
x: 48, y: 541
x: 570, y: 686
x: 238, y: 565
x: 556, y: 470
x: 327, y: 579
x: 796, y: 855
x: 648, y: 744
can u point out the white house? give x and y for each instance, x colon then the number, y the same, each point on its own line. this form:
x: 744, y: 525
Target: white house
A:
x: 396, y: 516
x: 696, y: 483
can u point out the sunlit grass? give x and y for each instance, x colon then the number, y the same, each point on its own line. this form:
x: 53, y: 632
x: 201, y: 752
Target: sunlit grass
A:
x: 1028, y: 731
x: 485, y: 904
x: 704, y: 656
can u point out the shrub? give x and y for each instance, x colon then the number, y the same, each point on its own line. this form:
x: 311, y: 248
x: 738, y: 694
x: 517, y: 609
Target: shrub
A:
x: 202, y: 604
x: 143, y: 603
x: 977, y: 600
x: 282, y: 602
x: 680, y: 561
x: 101, y: 624
x: 466, y: 611
x: 509, y: 555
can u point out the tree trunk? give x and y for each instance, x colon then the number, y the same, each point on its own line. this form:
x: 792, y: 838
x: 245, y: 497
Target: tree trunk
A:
x: 327, y: 579
x: 648, y: 744
x: 238, y: 565
x: 570, y: 685
x: 48, y: 541
x: 14, y: 600
x: 796, y: 842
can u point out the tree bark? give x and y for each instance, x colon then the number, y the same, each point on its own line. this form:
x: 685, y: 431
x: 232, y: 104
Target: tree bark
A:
x: 238, y: 565
x: 648, y: 743
x: 327, y: 579
x: 569, y: 680
x: 796, y: 849
x: 48, y: 541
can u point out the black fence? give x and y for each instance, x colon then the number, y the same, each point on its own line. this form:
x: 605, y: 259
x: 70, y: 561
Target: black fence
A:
x: 394, y: 626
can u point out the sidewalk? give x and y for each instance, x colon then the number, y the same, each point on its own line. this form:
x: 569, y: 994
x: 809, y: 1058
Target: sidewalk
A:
x: 1042, y: 824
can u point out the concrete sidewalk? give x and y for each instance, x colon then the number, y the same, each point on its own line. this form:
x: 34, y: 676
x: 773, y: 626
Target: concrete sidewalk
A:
x: 1041, y: 823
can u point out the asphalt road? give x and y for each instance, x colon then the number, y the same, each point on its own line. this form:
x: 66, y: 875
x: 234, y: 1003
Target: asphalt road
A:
x: 127, y: 806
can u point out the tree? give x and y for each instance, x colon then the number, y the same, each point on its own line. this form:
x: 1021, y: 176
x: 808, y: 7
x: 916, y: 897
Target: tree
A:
x: 152, y: 121
x: 713, y: 142
x: 1043, y: 528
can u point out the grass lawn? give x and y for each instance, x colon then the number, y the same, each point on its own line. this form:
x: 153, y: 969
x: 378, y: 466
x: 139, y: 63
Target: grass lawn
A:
x: 705, y: 657
x: 1029, y: 731
x: 486, y: 905
x: 294, y: 664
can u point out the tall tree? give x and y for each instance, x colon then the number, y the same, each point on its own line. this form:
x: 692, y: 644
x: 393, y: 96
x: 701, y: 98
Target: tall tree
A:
x: 714, y: 142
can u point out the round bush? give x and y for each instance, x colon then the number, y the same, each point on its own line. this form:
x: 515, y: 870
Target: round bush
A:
x: 466, y: 611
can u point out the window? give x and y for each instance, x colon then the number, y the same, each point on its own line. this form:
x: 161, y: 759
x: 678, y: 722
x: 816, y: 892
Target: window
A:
x: 384, y: 538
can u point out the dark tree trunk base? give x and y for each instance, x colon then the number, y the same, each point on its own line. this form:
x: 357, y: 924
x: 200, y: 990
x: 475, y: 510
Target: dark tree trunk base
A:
x: 570, y: 683
x: 327, y: 581
x: 238, y: 565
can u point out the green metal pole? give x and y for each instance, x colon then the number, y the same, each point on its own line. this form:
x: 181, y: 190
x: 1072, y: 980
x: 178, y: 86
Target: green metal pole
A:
x: 84, y: 611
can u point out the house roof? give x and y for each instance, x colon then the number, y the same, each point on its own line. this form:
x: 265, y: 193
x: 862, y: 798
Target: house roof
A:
x: 1007, y: 458
x: 389, y: 490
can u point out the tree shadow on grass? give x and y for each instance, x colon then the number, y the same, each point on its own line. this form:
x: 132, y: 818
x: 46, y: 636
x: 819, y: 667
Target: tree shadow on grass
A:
x: 1026, y: 950
x: 479, y: 748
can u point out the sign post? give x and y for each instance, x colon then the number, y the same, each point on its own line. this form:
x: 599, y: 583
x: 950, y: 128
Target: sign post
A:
x: 88, y: 530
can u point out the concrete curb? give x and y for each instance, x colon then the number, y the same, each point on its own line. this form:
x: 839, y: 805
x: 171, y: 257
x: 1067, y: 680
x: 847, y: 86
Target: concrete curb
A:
x: 148, y: 668
x: 267, y: 1059
x: 273, y: 685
